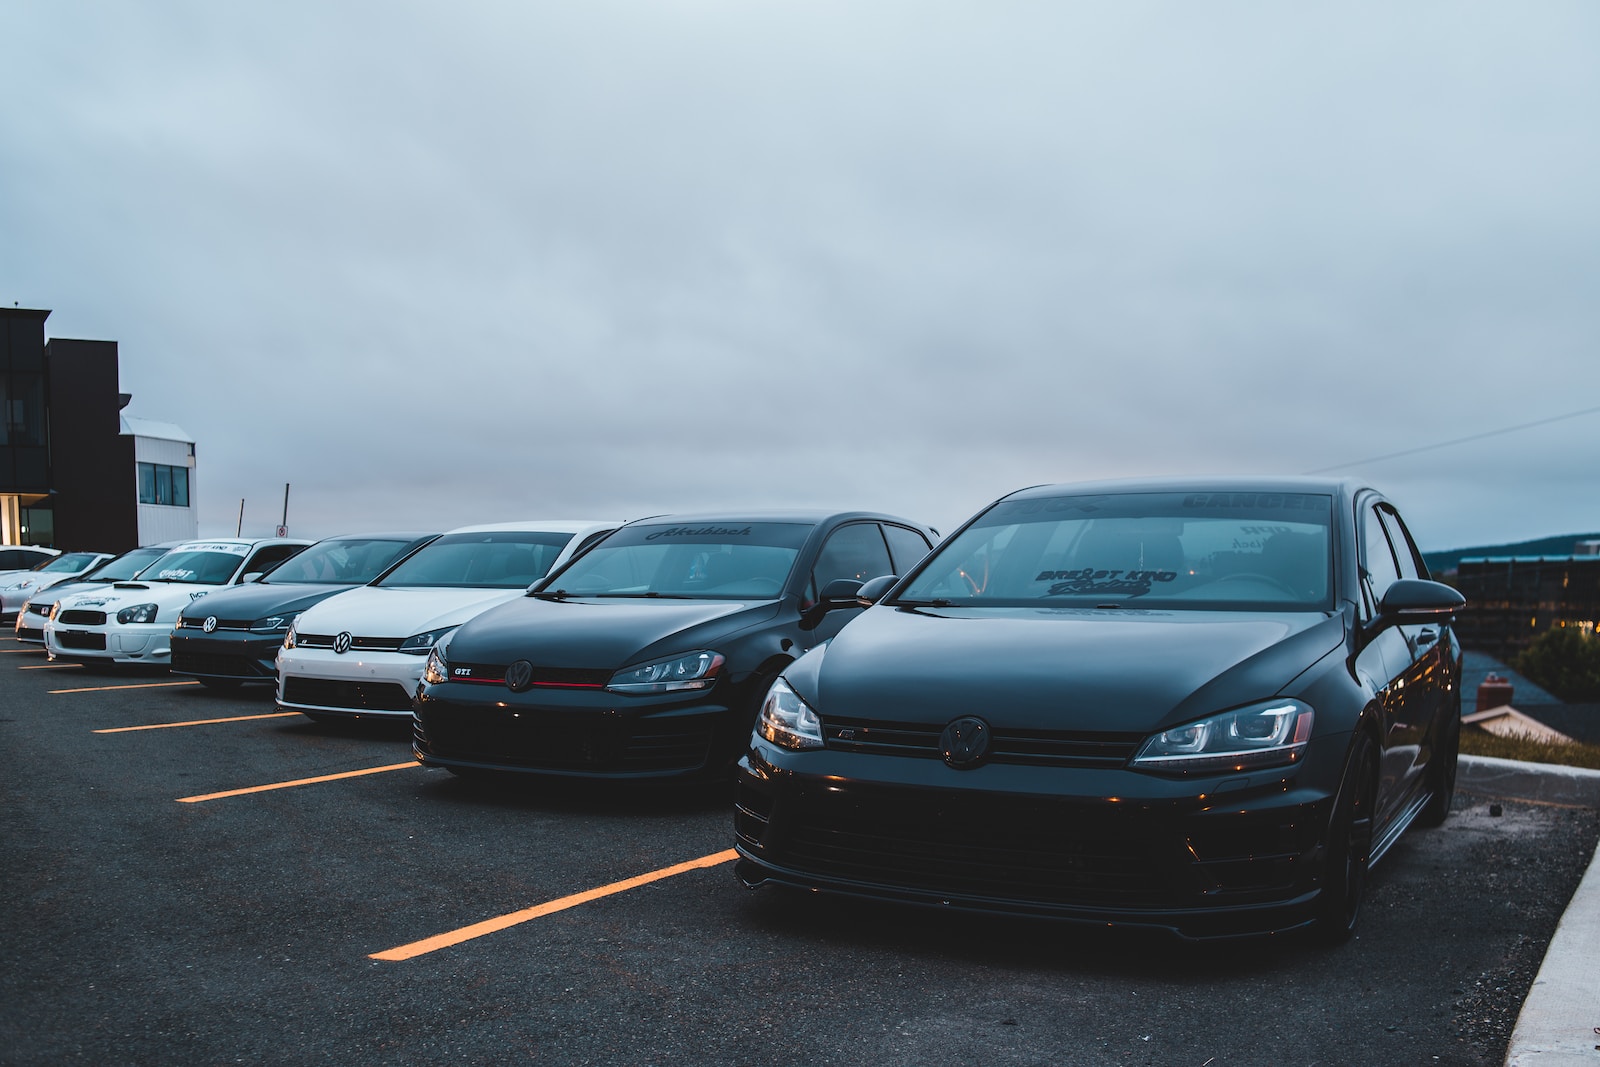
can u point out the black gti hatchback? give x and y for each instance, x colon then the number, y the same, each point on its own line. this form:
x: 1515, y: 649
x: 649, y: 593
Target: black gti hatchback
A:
x: 647, y: 656
x: 1202, y: 706
x: 232, y: 636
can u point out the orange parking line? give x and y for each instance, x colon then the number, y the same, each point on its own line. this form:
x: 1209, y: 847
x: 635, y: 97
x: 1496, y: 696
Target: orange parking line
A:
x: 489, y: 926
x: 297, y: 781
x: 50, y: 666
x: 196, y: 722
x: 3, y: 650
x: 107, y: 688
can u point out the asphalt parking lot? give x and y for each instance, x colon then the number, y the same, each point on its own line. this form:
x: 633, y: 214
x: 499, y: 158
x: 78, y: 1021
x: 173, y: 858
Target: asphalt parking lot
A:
x: 191, y: 878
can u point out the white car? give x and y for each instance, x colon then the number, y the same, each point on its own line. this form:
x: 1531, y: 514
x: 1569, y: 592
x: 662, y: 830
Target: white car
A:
x: 15, y: 558
x: 360, y: 653
x: 17, y: 589
x: 131, y: 622
x: 36, y: 610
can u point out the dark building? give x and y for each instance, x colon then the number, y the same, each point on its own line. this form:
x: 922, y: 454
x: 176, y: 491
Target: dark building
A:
x: 1513, y: 599
x: 68, y: 464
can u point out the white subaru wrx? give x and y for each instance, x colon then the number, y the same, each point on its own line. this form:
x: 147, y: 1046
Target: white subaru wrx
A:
x: 131, y: 622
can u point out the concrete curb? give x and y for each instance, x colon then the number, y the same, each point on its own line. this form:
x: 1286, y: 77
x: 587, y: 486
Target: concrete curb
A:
x: 1558, y: 1021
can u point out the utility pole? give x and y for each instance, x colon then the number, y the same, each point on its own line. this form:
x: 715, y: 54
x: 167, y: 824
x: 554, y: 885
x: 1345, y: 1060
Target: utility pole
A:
x: 239, y: 529
x: 283, y: 527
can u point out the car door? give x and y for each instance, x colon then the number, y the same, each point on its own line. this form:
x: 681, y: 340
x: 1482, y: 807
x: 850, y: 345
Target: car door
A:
x: 1430, y: 679
x: 855, y: 550
x: 1391, y: 660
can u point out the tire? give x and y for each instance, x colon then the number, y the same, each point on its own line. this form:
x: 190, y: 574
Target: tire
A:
x: 1442, y: 772
x: 1349, y: 846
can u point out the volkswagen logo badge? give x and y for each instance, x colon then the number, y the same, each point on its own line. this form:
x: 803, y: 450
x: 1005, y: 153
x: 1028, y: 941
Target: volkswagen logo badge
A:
x: 210, y: 623
x: 519, y: 676
x: 341, y: 643
x: 965, y: 743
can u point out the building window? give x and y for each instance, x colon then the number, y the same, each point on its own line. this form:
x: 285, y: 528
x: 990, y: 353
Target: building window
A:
x: 161, y: 484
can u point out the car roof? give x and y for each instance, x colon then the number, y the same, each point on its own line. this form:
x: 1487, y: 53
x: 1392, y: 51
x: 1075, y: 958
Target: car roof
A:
x: 1233, y: 483
x: 570, y: 526
x: 384, y: 535
x: 814, y: 516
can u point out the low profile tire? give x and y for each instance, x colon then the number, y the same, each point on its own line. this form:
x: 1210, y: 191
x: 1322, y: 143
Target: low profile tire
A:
x: 1349, y: 846
x: 221, y: 683
x: 1442, y: 773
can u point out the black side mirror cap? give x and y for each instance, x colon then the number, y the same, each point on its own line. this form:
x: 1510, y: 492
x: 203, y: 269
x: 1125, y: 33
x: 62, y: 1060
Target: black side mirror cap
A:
x: 872, y: 589
x: 1415, y: 600
x: 842, y: 593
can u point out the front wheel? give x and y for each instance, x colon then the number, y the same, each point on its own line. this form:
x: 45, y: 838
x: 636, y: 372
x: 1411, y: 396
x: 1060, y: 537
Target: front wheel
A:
x: 1349, y: 846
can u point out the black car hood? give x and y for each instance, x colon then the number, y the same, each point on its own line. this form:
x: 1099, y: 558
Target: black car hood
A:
x: 257, y: 600
x: 1063, y: 669
x: 600, y: 633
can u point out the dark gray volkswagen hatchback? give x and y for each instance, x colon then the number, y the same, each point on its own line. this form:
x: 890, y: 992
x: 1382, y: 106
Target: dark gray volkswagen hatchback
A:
x: 1206, y: 707
x: 647, y: 656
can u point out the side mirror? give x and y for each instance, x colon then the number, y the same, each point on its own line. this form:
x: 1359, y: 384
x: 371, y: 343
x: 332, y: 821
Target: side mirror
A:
x: 872, y: 589
x: 253, y: 576
x: 842, y: 593
x: 1413, y: 600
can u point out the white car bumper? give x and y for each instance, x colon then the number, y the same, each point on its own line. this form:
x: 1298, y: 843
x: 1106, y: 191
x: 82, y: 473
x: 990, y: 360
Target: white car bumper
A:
x: 355, y: 684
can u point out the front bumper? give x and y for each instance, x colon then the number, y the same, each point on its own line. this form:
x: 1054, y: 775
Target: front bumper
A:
x: 1214, y: 858
x: 586, y: 733
x: 111, y: 641
x: 357, y: 685
x: 235, y: 656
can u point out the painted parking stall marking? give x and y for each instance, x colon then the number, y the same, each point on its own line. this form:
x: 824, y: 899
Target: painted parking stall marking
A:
x: 109, y: 688
x: 197, y: 722
x: 297, y: 782
x: 489, y: 926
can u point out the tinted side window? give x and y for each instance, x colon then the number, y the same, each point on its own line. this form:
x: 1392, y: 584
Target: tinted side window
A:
x: 1378, y: 566
x: 1411, y: 563
x: 855, y: 551
x: 906, y: 547
x: 270, y: 557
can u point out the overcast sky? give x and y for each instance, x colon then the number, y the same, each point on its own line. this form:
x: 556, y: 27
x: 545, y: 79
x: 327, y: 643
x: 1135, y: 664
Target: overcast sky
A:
x: 436, y: 263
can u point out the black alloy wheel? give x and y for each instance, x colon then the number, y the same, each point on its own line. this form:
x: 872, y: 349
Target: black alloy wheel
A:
x: 1349, y: 846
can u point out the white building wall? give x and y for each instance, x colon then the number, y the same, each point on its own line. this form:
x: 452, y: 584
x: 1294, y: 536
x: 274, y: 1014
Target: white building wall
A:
x: 161, y: 522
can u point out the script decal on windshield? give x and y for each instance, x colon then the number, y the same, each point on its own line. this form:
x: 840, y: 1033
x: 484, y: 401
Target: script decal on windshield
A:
x: 1088, y: 580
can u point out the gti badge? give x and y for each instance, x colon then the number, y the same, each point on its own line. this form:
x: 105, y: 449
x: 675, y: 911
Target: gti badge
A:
x: 965, y: 743
x: 519, y: 676
x: 341, y: 643
x: 210, y: 624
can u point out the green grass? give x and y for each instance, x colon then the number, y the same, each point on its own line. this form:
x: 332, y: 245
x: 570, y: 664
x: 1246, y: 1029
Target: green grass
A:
x: 1477, y: 743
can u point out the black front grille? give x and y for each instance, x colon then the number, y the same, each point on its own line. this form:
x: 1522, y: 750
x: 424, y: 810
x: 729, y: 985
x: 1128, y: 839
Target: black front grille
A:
x: 364, y: 644
x: 1036, y: 748
x: 221, y: 666
x: 189, y: 622
x: 354, y: 696
x: 1028, y: 849
x: 550, y: 677
x: 86, y: 642
x: 569, y: 741
x: 80, y: 617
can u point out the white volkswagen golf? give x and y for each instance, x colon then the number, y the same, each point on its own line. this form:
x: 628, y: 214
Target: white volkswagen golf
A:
x: 131, y: 622
x: 360, y: 654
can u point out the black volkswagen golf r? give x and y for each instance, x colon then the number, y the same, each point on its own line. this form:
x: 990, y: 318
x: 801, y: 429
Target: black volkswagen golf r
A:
x: 1206, y: 707
x: 647, y: 656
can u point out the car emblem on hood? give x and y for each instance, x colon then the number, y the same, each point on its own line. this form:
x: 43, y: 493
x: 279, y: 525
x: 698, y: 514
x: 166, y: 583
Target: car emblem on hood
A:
x: 519, y: 676
x: 965, y: 743
x: 341, y: 643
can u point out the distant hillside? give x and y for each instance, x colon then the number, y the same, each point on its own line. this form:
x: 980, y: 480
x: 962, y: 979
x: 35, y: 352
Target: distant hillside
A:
x: 1544, y: 546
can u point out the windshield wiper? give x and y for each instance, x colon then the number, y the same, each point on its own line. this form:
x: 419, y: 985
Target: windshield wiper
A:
x: 936, y: 602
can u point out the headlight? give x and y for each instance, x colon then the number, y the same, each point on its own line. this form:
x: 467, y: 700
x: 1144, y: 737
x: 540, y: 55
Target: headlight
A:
x: 1269, y: 734
x: 419, y: 644
x: 437, y: 672
x: 137, y: 613
x: 272, y: 624
x: 697, y: 670
x: 290, y: 638
x: 787, y: 720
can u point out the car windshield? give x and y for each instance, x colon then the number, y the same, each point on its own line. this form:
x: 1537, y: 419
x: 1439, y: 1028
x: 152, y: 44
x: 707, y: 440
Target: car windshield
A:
x: 500, y: 559
x: 346, y: 561
x: 126, y: 565
x: 1174, y: 551
x: 70, y: 562
x: 713, y: 561
x: 213, y: 565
